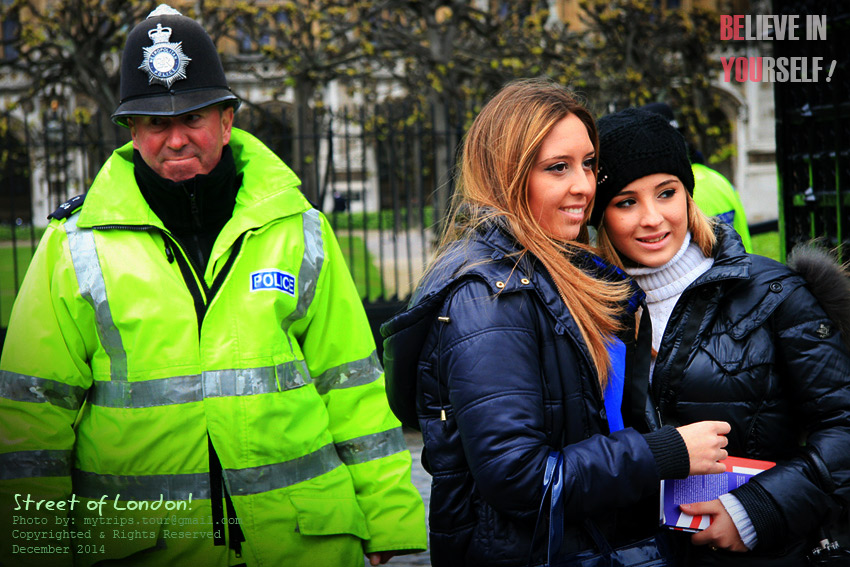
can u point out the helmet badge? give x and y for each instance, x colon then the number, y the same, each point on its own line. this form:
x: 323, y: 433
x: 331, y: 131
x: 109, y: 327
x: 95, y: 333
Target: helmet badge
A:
x: 164, y: 62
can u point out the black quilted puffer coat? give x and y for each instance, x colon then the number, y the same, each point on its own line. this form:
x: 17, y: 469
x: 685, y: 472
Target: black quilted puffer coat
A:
x: 490, y: 364
x: 749, y: 343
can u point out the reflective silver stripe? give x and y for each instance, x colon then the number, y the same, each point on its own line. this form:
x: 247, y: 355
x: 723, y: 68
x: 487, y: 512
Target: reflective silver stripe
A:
x: 147, y: 393
x: 252, y: 480
x: 371, y: 447
x: 296, y: 374
x: 187, y: 389
x: 241, y: 482
x: 252, y: 381
x: 23, y: 388
x: 93, y: 289
x: 219, y: 383
x: 311, y: 262
x: 308, y: 273
x: 32, y: 464
x: 350, y: 374
x: 142, y: 487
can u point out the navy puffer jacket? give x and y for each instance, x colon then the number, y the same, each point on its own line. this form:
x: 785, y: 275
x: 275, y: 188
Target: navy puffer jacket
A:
x: 500, y: 375
x: 749, y: 343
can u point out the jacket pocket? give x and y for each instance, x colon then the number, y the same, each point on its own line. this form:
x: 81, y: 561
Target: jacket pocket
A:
x: 329, y: 516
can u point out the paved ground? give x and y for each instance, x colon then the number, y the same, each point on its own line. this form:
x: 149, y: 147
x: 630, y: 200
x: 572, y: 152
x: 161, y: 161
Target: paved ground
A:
x: 422, y: 480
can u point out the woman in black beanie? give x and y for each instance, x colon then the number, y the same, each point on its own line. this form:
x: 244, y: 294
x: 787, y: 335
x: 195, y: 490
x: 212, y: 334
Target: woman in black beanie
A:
x: 736, y: 337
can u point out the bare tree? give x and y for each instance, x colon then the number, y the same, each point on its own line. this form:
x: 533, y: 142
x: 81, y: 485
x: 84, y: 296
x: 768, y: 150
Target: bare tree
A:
x: 452, y: 51
x: 638, y: 54
x: 313, y: 42
x: 73, y: 45
x: 440, y: 52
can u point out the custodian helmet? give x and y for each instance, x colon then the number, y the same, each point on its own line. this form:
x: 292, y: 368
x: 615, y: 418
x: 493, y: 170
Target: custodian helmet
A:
x: 170, y: 66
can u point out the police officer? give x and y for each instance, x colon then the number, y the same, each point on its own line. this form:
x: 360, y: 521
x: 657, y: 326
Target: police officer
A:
x: 189, y: 376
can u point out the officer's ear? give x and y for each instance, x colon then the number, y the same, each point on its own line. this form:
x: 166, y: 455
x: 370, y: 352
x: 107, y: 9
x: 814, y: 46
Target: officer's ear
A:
x: 226, y: 122
x: 131, y: 124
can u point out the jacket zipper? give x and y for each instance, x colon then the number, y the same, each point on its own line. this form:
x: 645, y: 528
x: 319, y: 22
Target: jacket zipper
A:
x: 133, y: 227
x: 687, y: 336
x: 196, y: 285
x: 196, y: 211
x: 200, y: 293
x: 588, y: 359
x: 138, y: 228
x: 187, y: 267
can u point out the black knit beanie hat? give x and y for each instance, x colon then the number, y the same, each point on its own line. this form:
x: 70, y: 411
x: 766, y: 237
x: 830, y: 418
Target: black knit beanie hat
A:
x: 634, y: 143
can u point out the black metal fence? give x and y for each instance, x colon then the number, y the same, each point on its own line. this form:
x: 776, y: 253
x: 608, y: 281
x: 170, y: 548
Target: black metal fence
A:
x: 813, y: 134
x: 813, y: 145
x: 382, y: 175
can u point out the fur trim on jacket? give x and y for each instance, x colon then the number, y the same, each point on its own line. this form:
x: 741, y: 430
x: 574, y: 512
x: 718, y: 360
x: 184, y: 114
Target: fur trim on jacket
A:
x: 828, y: 281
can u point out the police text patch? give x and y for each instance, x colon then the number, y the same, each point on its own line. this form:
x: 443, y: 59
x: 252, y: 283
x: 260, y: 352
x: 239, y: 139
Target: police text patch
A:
x: 273, y: 279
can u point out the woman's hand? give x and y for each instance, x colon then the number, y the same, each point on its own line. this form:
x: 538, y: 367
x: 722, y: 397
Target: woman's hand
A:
x: 705, y: 441
x: 722, y: 533
x: 380, y: 557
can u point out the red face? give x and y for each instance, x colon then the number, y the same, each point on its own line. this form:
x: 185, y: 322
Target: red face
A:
x: 561, y: 184
x: 180, y: 147
x: 648, y: 220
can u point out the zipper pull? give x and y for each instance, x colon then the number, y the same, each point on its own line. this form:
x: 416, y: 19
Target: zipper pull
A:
x: 169, y: 255
x: 442, y: 414
x: 195, y: 206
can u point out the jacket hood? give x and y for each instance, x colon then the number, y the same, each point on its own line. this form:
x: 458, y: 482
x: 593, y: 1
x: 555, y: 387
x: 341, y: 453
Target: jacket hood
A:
x: 731, y: 260
x: 828, y: 281
x: 270, y: 190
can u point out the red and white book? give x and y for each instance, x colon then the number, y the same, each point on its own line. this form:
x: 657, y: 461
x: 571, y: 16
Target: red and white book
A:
x: 702, y: 488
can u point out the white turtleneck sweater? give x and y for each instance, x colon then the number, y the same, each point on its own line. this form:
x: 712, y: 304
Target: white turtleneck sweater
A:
x: 663, y: 286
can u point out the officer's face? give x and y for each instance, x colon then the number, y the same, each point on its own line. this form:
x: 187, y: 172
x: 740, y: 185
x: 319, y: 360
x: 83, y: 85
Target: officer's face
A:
x: 180, y: 147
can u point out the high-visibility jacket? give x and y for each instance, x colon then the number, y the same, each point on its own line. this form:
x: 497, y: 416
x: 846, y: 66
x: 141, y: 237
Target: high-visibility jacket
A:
x: 123, y: 364
x: 716, y: 197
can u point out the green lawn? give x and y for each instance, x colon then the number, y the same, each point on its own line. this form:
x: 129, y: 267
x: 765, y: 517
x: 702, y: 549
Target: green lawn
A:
x: 365, y: 271
x: 383, y: 220
x: 767, y: 244
x: 7, y: 276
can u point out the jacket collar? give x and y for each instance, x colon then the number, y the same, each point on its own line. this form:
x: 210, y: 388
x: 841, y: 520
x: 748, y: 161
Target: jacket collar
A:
x: 270, y: 190
x: 731, y: 260
x: 484, y: 255
x: 481, y: 256
x: 496, y: 238
x: 204, y: 203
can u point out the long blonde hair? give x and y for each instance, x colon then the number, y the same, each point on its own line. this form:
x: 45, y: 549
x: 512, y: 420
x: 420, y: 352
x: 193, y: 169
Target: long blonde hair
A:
x: 499, y: 151
x: 701, y: 227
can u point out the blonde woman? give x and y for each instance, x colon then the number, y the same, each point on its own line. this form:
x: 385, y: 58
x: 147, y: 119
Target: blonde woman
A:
x: 515, y: 340
x: 736, y: 337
